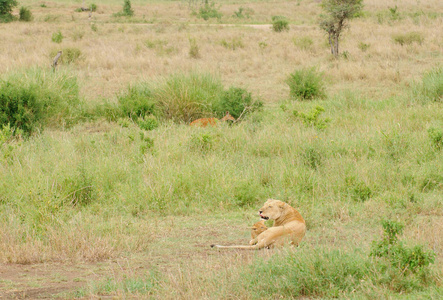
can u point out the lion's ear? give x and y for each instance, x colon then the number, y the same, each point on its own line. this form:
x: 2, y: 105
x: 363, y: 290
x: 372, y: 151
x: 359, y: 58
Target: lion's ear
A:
x: 283, y: 205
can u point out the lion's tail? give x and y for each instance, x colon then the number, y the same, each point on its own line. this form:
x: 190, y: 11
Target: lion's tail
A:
x: 236, y: 247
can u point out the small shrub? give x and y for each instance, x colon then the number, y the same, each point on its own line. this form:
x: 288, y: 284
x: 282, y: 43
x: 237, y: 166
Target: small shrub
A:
x: 306, y: 84
x: 405, y: 259
x: 127, y: 9
x: 312, y: 118
x: 160, y: 46
x: 147, y: 123
x: 57, y: 37
x: 93, y: 7
x: 394, y: 13
x: 194, y: 51
x: 408, y: 38
x: 303, y: 42
x: 436, y: 137
x: 19, y: 108
x: 237, y: 101
x: 262, y: 45
x: 209, y: 11
x: 69, y: 55
x: 345, y: 54
x: 137, y: 102
x: 186, y: 97
x: 312, y: 157
x: 202, y: 141
x: 357, y: 190
x: 6, y: 133
x: 43, y: 5
x: 363, y: 46
x: 30, y: 100
x: 25, y: 14
x: 243, y: 12
x: 234, y: 44
x: 280, y: 23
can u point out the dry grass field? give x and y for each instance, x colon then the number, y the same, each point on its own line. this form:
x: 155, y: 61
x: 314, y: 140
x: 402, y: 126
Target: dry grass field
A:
x: 95, y: 207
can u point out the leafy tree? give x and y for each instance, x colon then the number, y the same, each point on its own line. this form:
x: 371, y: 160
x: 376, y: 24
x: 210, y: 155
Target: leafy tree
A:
x: 338, y: 13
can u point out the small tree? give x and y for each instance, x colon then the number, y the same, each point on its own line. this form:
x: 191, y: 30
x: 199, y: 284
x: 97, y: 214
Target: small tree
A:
x: 127, y: 9
x: 338, y: 13
x: 6, y: 7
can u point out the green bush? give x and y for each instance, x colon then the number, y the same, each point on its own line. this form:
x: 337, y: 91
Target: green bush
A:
x: 306, y: 84
x: 357, y: 190
x: 406, y: 259
x: 237, y: 101
x: 325, y: 274
x: 209, y: 11
x: 234, y: 44
x: 69, y: 55
x: 6, y: 7
x: 280, y: 23
x: 25, y: 14
x: 19, y: 108
x: 203, y: 141
x: 312, y: 118
x: 93, y: 7
x: 363, y: 46
x: 312, y: 157
x: 57, y: 37
x: 6, y: 133
x: 186, y: 97
x: 148, y: 123
x: 127, y: 8
x: 243, y: 12
x: 137, y: 102
x: 36, y: 98
x: 408, y: 38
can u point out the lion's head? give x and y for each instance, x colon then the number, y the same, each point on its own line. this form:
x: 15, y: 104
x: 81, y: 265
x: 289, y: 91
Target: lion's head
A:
x: 272, y: 209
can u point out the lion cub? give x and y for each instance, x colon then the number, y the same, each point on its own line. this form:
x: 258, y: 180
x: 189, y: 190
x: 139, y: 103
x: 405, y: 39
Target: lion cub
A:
x: 256, y: 229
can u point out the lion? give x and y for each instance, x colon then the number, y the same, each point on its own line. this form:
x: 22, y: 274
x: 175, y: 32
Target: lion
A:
x: 203, y: 122
x: 256, y: 229
x: 289, y: 227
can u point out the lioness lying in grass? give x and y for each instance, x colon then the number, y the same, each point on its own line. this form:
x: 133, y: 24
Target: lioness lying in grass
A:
x: 289, y: 227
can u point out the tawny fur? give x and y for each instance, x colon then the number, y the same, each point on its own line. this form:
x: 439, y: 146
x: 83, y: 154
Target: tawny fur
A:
x: 256, y: 229
x: 203, y: 122
x: 289, y: 227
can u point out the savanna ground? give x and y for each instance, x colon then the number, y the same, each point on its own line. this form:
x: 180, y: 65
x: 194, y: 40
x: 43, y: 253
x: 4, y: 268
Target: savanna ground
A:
x: 95, y: 206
